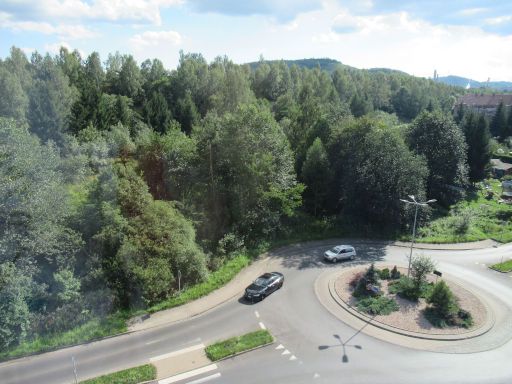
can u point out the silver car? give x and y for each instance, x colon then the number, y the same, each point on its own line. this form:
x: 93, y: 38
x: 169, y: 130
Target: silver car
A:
x: 340, y: 252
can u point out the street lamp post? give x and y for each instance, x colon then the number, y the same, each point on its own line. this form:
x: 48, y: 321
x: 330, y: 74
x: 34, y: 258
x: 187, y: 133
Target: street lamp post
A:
x: 416, y: 204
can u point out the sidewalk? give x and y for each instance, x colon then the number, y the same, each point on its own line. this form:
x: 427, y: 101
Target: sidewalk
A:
x: 232, y: 289
x: 449, y: 247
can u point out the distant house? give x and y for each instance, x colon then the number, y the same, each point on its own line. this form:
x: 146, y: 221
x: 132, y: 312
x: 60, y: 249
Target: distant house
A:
x: 500, y: 169
x: 484, y: 103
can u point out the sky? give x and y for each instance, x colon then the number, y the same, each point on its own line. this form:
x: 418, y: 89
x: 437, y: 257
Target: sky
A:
x: 469, y: 38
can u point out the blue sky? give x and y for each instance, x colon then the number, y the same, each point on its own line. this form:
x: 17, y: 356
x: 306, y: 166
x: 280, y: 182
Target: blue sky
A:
x: 471, y: 38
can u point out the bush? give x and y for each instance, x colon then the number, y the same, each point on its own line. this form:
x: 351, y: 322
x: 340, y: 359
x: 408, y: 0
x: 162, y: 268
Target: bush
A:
x: 421, y: 266
x: 355, y: 279
x: 384, y: 274
x: 443, y: 301
x: 405, y: 288
x: 379, y: 305
x: 395, y: 273
x: 371, y: 275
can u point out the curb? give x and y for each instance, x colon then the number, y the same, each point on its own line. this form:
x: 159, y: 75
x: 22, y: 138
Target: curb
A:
x: 473, y: 245
x: 487, y: 326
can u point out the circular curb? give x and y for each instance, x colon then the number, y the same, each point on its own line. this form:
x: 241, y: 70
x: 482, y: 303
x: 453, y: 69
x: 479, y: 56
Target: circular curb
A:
x: 483, y: 329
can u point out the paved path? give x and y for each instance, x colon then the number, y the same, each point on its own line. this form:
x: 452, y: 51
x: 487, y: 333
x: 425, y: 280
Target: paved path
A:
x: 312, y: 344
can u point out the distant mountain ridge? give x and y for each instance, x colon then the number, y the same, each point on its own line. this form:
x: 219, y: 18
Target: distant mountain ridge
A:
x: 463, y: 82
x: 330, y: 65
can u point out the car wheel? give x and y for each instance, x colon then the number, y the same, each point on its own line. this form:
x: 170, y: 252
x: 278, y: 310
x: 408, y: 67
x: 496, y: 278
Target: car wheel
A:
x: 352, y: 257
x: 280, y: 285
x: 334, y: 260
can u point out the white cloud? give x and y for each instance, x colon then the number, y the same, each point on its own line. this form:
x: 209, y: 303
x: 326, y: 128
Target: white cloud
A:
x: 472, y: 11
x: 110, y: 10
x: 498, y: 20
x: 156, y: 38
x: 63, y: 31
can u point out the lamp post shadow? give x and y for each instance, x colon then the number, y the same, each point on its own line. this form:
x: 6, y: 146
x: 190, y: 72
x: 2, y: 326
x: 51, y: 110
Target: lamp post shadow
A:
x: 345, y: 344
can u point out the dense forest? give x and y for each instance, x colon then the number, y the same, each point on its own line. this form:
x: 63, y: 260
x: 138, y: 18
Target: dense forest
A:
x: 116, y: 177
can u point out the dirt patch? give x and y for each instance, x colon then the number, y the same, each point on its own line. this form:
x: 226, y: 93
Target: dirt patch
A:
x: 410, y: 316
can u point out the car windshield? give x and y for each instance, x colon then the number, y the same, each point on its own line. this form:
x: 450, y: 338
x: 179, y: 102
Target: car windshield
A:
x: 336, y: 249
x: 261, y: 281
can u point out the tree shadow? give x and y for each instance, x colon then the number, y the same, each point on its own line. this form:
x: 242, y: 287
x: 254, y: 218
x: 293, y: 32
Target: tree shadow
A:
x: 309, y: 255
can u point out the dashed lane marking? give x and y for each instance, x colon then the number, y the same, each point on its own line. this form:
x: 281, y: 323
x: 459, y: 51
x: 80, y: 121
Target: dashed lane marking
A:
x: 205, y: 379
x: 189, y: 374
x: 257, y: 314
x: 280, y: 346
x: 316, y: 376
x: 292, y: 357
x: 286, y: 352
x: 262, y: 326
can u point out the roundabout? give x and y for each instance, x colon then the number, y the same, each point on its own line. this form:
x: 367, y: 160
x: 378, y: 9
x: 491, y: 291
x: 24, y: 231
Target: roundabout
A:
x: 318, y: 336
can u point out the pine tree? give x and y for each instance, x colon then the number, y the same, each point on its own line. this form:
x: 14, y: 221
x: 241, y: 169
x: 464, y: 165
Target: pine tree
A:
x: 498, y: 125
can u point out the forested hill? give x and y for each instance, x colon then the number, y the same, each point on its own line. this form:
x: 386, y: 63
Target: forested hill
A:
x: 122, y: 181
x: 324, y: 64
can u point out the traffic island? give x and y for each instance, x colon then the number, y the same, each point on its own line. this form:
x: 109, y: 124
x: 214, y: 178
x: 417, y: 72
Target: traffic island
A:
x: 490, y: 331
x: 409, y: 315
x: 239, y: 344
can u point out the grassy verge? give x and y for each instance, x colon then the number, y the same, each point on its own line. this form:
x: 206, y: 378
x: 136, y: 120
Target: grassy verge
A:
x: 128, y: 376
x: 93, y: 329
x: 506, y: 266
x: 238, y: 344
x: 475, y: 218
x: 216, y: 280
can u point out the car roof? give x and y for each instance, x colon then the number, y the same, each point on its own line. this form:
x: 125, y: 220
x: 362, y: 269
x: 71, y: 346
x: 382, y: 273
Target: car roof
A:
x: 268, y: 275
x: 343, y: 246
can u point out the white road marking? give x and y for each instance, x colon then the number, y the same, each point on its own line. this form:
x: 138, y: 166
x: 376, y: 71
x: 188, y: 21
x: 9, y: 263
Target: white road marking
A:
x: 262, y: 326
x: 476, y: 262
x: 162, y: 339
x: 257, y: 314
x: 316, y: 376
x: 205, y: 379
x: 280, y: 346
x: 179, y: 352
x: 186, y: 375
x: 292, y: 357
x: 286, y: 352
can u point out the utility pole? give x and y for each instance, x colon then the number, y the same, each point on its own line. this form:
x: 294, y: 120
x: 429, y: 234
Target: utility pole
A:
x: 416, y: 204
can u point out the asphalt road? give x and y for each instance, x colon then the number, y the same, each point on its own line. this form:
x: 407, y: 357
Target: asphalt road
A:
x: 312, y: 345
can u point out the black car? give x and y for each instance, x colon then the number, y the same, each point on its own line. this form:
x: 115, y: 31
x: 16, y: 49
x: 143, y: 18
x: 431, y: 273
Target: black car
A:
x: 264, y: 286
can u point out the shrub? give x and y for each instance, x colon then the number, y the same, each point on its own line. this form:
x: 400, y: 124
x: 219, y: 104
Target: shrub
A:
x: 405, y: 288
x: 384, y: 274
x: 443, y: 301
x: 355, y: 279
x: 379, y: 305
x: 371, y: 275
x: 395, y: 273
x: 421, y: 266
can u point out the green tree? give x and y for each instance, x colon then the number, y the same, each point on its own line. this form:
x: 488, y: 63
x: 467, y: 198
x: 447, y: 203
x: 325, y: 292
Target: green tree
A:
x: 157, y: 113
x: 436, y: 137
x: 443, y: 301
x: 51, y: 100
x: 373, y: 170
x: 316, y: 174
x: 421, y: 266
x: 498, y: 126
x: 477, y: 136
x: 14, y: 310
x: 13, y: 99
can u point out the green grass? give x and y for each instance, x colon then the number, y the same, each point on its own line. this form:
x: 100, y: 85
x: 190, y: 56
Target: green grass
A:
x: 216, y: 280
x: 128, y: 376
x: 238, y: 344
x: 485, y: 218
x: 506, y: 266
x: 93, y: 329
